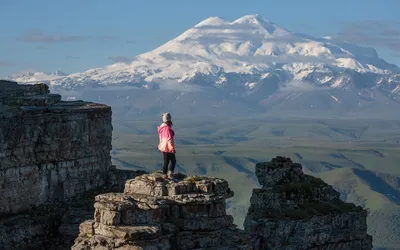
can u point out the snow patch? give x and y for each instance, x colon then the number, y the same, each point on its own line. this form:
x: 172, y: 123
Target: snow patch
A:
x: 350, y: 63
x: 335, y: 98
x: 212, y: 21
x: 396, y: 90
x: 326, y: 79
x: 250, y: 85
x: 27, y: 77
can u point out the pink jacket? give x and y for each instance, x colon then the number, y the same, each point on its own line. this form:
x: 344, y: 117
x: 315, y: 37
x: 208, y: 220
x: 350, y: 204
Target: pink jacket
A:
x: 166, y: 136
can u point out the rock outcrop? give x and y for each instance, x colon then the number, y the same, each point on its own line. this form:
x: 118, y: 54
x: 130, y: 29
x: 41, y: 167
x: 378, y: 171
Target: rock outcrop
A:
x: 156, y: 213
x: 52, y: 153
x: 50, y: 150
x: 296, y: 211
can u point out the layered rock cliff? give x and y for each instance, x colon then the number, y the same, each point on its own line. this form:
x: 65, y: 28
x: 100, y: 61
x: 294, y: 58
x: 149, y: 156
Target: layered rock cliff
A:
x: 51, y: 153
x: 296, y: 211
x: 50, y: 150
x: 156, y: 213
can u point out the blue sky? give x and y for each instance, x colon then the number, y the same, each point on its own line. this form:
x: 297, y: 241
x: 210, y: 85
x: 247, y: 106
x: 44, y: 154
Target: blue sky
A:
x: 76, y: 35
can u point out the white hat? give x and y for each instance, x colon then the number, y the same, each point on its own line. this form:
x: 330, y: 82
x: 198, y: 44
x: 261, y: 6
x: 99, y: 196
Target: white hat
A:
x: 166, y: 117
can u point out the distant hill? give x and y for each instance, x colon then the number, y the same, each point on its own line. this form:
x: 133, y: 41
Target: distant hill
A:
x: 378, y: 192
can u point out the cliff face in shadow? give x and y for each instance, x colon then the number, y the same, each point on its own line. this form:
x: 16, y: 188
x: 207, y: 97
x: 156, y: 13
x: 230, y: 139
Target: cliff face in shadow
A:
x: 50, y: 150
x: 296, y: 211
x: 53, y: 156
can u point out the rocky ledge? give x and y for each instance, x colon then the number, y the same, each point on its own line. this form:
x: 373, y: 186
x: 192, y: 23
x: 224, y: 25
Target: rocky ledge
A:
x: 54, y: 155
x: 296, y: 211
x: 187, y: 212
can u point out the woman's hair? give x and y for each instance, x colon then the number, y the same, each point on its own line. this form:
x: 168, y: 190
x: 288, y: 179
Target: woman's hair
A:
x: 169, y: 123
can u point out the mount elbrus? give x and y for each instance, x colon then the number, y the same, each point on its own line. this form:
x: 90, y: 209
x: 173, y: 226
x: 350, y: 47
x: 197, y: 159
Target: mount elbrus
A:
x: 249, y: 65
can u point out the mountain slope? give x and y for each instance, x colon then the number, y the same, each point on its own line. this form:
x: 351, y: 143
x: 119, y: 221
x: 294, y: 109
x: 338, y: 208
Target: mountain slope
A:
x: 248, y: 45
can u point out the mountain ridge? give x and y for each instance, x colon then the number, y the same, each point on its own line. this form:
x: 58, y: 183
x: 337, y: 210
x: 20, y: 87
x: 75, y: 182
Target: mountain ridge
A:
x: 257, y: 60
x: 250, y: 39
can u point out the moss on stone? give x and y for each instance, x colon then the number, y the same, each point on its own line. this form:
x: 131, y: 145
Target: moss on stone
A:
x: 194, y: 178
x: 280, y: 161
x: 309, y: 210
x: 305, y: 187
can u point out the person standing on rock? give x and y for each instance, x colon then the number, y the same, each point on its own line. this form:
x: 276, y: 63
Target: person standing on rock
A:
x: 167, y: 144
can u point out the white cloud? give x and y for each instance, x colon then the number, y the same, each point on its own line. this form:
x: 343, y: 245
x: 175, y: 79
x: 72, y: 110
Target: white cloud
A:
x: 301, y: 86
x: 173, y: 85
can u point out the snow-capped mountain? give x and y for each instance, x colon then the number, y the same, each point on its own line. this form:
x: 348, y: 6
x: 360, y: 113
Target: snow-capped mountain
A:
x: 218, y: 52
x: 32, y: 77
x: 249, y: 57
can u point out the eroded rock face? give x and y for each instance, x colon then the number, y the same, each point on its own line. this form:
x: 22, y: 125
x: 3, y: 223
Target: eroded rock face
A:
x: 156, y: 213
x: 296, y: 211
x: 51, y: 152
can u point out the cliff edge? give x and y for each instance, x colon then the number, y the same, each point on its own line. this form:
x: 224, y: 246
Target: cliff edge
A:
x: 296, y: 211
x: 54, y: 155
x: 51, y: 150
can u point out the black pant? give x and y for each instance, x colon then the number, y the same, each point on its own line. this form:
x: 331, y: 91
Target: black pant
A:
x: 169, y: 157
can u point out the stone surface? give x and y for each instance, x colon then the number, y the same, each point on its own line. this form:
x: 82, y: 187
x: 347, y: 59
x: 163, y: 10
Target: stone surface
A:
x: 51, y: 152
x: 12, y: 90
x: 184, y: 190
x: 297, y: 211
x: 55, y: 225
x: 27, y: 229
x: 53, y: 156
x: 187, y: 212
x: 116, y: 178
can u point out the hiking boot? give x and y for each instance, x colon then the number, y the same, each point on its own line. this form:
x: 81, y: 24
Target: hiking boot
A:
x: 170, y: 175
